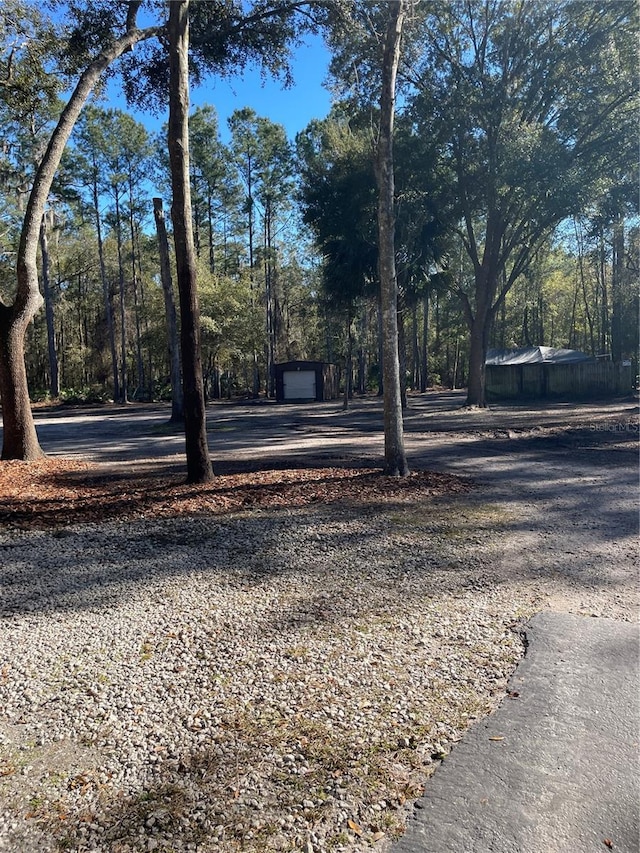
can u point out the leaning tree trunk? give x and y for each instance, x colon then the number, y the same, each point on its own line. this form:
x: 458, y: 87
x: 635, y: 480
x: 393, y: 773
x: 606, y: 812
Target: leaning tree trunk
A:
x: 395, y: 461
x: 199, y: 469
x: 20, y: 440
x: 177, y: 408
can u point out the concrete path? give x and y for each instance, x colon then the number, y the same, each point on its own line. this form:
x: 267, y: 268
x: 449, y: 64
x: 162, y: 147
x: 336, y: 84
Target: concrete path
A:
x: 556, y: 768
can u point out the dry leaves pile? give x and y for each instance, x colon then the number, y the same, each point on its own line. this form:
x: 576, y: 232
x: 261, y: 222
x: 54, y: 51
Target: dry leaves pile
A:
x: 52, y: 492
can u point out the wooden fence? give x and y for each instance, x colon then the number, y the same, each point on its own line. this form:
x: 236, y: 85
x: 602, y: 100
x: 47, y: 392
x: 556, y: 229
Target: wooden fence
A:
x: 559, y: 381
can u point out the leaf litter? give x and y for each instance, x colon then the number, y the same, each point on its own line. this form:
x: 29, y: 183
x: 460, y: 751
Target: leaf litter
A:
x: 52, y: 492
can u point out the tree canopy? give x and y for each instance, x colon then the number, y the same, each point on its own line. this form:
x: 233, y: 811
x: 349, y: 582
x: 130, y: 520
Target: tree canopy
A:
x: 514, y: 210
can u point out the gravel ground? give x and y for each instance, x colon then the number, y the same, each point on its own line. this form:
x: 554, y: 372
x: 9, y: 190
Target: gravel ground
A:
x: 285, y: 679
x: 262, y: 683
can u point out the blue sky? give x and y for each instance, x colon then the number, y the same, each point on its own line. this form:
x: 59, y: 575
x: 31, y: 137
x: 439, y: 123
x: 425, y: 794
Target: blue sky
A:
x: 294, y: 107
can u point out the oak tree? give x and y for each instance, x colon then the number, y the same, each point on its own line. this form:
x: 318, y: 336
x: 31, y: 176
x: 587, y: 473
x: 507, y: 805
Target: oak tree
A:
x: 531, y: 102
x: 20, y: 440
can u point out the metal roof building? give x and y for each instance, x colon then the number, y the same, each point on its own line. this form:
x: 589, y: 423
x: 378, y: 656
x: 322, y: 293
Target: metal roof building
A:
x: 536, y: 355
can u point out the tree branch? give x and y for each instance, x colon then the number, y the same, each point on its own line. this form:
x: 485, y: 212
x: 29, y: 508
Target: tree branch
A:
x: 28, y: 298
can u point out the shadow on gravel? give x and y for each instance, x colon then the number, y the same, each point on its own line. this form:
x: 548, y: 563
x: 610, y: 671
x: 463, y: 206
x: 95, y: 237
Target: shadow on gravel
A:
x: 418, y: 541
x: 583, y: 479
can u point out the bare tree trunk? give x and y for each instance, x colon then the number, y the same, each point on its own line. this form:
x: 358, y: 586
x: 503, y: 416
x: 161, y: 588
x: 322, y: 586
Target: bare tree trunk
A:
x: 199, y: 468
x: 20, y: 440
x: 477, y: 354
x: 106, y: 295
x: 617, y: 274
x: 177, y: 408
x: 455, y: 364
x: 54, y: 374
x: 212, y: 253
x: 256, y: 372
x: 479, y: 322
x: 424, y: 373
x: 402, y: 358
x: 605, y: 336
x: 395, y: 461
x: 269, y: 302
x: 415, y: 350
x: 145, y: 316
x: 124, y: 383
x: 136, y: 297
x: 362, y: 354
x: 380, y: 391
x: 348, y: 361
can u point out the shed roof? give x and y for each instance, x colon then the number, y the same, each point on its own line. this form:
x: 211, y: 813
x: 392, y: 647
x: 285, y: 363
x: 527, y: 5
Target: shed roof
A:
x: 535, y: 355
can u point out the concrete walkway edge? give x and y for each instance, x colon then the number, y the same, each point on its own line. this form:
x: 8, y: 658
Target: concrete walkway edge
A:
x: 556, y: 768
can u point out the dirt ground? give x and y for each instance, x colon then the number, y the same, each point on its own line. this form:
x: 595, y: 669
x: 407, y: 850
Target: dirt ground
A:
x: 509, y: 511
x: 272, y: 435
x: 565, y: 475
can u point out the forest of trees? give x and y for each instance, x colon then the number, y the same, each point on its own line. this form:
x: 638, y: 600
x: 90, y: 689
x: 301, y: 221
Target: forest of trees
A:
x: 516, y: 219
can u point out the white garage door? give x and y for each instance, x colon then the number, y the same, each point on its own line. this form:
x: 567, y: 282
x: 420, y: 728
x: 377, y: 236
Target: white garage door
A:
x: 299, y: 384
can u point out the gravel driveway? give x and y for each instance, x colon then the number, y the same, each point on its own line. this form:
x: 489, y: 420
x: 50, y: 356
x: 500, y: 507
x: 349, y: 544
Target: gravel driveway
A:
x: 287, y: 680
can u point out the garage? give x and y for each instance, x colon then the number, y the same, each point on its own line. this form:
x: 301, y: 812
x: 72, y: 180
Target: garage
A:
x: 299, y: 384
x: 300, y: 381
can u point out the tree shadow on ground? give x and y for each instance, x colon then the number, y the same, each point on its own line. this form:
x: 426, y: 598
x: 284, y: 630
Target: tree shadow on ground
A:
x: 342, y: 559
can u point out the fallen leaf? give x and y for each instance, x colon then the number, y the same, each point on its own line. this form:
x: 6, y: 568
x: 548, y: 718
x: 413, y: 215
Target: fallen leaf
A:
x: 355, y: 827
x: 377, y: 836
x: 608, y: 843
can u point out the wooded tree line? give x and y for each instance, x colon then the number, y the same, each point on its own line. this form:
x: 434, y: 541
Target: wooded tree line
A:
x: 514, y: 209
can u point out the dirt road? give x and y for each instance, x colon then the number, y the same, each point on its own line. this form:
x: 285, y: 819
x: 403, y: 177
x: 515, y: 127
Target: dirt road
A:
x: 565, y: 477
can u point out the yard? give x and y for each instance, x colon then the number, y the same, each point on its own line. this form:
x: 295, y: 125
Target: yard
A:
x: 278, y: 661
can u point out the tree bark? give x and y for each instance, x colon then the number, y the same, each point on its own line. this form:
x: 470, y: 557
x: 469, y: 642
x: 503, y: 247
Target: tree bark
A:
x: 402, y: 357
x: 424, y: 373
x: 380, y: 390
x: 395, y: 461
x: 177, y: 408
x: 106, y: 295
x: 124, y: 383
x: 20, y: 440
x: 362, y: 354
x: 415, y: 350
x: 199, y: 468
x: 480, y: 327
x: 136, y: 297
x: 54, y: 373
x: 269, y: 303
x: 348, y: 361
x: 617, y: 276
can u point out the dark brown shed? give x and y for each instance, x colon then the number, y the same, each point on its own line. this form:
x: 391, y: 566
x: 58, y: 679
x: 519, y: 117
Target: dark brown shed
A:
x: 303, y: 381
